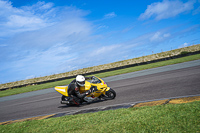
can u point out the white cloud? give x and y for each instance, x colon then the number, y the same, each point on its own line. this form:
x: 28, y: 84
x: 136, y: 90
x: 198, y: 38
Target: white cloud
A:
x: 166, y: 9
x: 42, y: 24
x: 110, y: 15
x: 105, y: 50
x: 102, y: 27
x: 40, y: 5
x: 55, y: 59
x: 16, y: 20
x: 40, y: 38
x: 127, y: 29
x: 67, y: 31
x: 158, y: 36
x: 184, y: 45
x: 21, y: 21
x: 167, y: 35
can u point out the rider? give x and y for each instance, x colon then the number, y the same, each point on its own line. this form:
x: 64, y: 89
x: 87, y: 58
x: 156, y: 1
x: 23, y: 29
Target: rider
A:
x: 74, y: 87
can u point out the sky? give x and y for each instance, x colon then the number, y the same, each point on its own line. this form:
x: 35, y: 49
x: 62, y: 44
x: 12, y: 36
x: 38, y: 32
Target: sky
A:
x: 39, y: 38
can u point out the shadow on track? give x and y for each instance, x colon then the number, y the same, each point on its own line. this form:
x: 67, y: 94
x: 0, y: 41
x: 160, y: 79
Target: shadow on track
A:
x: 81, y: 105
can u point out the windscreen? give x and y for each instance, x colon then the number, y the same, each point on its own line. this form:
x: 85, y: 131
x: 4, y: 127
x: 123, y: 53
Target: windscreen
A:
x: 95, y: 80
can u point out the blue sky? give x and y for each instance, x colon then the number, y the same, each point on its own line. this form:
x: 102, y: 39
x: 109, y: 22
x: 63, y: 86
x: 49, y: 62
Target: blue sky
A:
x: 39, y: 38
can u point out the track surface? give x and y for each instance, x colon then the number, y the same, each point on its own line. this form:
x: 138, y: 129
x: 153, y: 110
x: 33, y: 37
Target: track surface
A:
x: 170, y: 83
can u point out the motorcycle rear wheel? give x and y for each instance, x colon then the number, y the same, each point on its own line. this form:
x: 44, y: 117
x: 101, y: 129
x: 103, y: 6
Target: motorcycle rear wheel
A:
x: 110, y: 94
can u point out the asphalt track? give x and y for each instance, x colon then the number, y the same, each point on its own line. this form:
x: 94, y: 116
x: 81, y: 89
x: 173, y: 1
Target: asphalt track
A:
x: 158, y: 83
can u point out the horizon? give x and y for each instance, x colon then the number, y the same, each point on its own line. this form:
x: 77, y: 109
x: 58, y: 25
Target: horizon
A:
x: 41, y: 38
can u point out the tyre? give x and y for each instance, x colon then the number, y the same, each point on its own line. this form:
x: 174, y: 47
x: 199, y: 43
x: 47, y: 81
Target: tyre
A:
x: 110, y: 94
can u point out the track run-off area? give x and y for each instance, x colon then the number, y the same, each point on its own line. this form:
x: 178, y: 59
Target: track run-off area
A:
x: 166, y: 82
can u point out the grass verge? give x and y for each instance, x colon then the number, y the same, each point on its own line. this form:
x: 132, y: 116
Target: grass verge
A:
x: 161, y: 118
x: 101, y: 75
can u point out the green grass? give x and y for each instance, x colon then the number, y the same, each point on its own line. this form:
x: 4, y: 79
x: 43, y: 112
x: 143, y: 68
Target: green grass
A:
x: 172, y: 118
x: 101, y: 75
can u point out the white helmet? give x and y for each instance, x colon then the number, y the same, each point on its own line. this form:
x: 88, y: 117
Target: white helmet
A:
x: 80, y: 80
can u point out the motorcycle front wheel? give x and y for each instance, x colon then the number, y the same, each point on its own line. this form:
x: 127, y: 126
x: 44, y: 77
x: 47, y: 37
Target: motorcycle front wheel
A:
x: 110, y: 94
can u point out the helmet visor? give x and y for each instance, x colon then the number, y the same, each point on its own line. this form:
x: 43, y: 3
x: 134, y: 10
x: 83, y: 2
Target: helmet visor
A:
x: 81, y: 83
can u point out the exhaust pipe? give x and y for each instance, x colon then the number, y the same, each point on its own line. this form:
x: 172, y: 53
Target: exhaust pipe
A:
x: 64, y: 102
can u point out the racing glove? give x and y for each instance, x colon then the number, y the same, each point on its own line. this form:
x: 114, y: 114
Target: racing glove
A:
x: 88, y: 92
